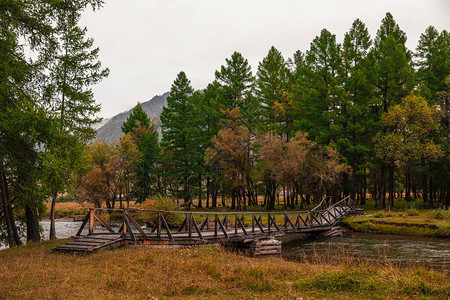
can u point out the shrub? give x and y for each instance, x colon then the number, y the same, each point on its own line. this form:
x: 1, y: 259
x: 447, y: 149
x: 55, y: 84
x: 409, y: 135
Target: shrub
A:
x: 412, y: 211
x: 67, y: 198
x: 379, y: 214
x: 439, y: 214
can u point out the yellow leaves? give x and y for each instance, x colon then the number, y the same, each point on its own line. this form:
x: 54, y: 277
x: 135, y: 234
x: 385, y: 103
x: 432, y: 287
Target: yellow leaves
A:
x: 408, y: 135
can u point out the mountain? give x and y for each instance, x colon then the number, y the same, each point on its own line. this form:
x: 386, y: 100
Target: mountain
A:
x: 111, y: 130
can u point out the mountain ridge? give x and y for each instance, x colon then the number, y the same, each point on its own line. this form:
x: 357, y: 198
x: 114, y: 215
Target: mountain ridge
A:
x: 111, y: 130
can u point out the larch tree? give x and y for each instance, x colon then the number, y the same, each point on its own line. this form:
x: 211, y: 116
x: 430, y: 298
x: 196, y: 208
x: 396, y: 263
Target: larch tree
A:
x: 320, y: 88
x: 237, y: 83
x: 145, y: 136
x: 355, y: 114
x: 271, y: 88
x: 433, y: 62
x: 33, y: 120
x: 75, y: 69
x: 395, y: 80
x: 137, y: 115
x: 176, y: 120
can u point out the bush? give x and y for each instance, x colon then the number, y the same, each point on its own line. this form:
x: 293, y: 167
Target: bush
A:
x: 412, y: 211
x: 379, y: 214
x: 67, y: 198
x: 439, y: 214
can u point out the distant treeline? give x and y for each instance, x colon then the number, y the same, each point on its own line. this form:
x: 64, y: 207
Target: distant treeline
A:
x: 362, y: 117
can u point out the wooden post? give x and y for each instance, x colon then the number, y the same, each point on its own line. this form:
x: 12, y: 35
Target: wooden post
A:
x: 158, y: 233
x: 253, y: 222
x: 190, y: 225
x: 216, y: 216
x: 91, y: 221
x: 207, y: 222
x: 235, y: 223
x: 125, y: 228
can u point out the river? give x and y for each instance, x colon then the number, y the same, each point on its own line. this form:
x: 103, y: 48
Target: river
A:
x: 434, y: 252
x: 398, y: 249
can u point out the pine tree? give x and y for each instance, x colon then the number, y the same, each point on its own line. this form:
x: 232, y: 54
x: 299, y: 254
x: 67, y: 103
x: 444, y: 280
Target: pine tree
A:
x: 34, y: 124
x: 237, y: 83
x: 355, y: 116
x: 272, y: 81
x: 176, y: 121
x: 395, y: 80
x: 137, y: 115
x: 73, y: 70
x: 319, y: 88
x: 433, y: 56
x: 146, y: 169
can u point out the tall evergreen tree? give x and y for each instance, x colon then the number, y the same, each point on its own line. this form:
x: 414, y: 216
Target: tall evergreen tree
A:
x: 73, y: 70
x: 355, y: 117
x: 32, y: 120
x: 176, y: 121
x: 433, y: 62
x: 137, y: 115
x: 272, y: 81
x: 395, y: 80
x: 145, y: 136
x: 319, y: 88
x: 237, y: 83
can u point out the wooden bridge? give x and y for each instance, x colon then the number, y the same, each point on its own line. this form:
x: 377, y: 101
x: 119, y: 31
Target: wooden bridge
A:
x: 196, y: 228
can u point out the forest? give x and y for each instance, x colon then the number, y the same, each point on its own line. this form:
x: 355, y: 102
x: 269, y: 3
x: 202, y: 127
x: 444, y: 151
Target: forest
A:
x: 364, y: 117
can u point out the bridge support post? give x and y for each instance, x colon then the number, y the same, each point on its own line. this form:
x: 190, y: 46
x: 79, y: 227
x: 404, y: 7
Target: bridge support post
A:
x: 216, y: 217
x: 190, y: 225
x: 91, y: 221
x: 158, y: 232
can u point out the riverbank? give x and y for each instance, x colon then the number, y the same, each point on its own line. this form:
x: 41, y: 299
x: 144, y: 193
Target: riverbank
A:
x: 427, y: 223
x: 33, y: 271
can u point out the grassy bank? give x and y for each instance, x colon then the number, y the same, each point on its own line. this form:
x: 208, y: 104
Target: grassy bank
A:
x: 33, y: 271
x: 406, y: 217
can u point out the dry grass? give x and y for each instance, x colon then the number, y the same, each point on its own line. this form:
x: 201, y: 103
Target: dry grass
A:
x: 34, y: 272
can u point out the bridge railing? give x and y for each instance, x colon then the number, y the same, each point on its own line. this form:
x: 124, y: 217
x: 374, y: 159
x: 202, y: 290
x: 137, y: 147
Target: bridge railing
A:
x: 173, y: 225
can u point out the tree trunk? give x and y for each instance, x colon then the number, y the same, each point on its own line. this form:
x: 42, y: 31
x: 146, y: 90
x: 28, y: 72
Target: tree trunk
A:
x: 199, y: 190
x: 425, y: 190
x: 391, y: 186
x: 407, y: 187
x: 11, y: 229
x: 381, y: 204
x: 33, y: 233
x: 207, y: 191
x: 52, y: 219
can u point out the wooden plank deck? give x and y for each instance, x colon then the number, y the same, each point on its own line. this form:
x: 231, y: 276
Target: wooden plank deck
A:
x: 91, y: 243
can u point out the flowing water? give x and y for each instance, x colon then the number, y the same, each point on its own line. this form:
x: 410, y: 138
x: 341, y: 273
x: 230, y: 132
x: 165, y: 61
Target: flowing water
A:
x: 402, y: 250
x: 434, y: 252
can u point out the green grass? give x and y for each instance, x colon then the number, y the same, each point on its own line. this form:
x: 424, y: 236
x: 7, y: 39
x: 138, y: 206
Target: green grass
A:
x: 407, y: 217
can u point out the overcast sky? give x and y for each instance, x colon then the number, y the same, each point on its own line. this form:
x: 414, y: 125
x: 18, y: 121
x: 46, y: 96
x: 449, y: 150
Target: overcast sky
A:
x: 145, y: 43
